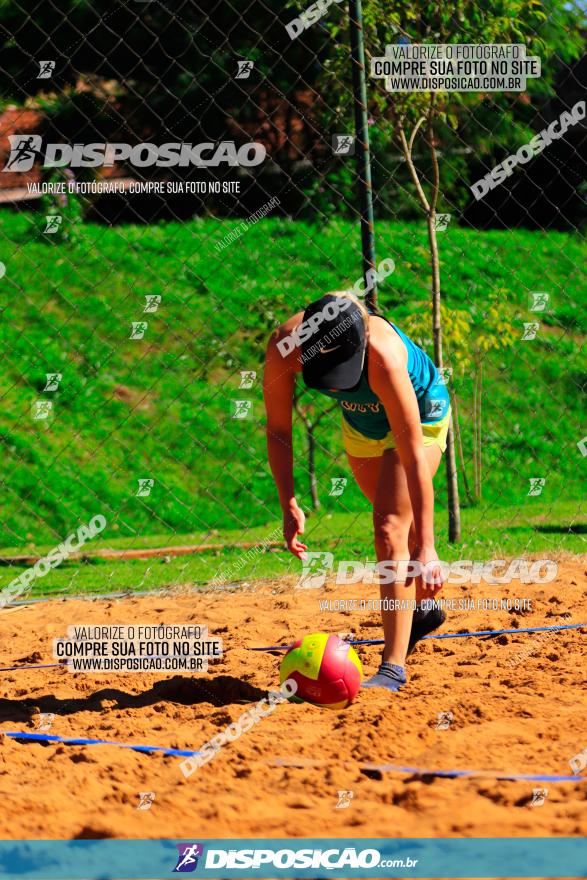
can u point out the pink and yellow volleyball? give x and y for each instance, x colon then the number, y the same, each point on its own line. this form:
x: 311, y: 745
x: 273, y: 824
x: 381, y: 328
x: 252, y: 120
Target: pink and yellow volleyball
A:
x: 326, y: 670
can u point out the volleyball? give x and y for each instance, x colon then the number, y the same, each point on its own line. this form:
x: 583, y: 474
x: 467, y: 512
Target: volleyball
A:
x: 325, y: 668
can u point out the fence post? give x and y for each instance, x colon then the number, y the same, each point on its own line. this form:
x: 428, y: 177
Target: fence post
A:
x: 362, y: 138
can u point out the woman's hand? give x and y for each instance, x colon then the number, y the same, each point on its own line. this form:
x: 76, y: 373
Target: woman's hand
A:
x: 293, y: 525
x: 430, y: 578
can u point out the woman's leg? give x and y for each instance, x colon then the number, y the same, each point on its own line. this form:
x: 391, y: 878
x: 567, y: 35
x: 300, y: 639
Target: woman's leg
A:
x: 383, y: 481
x: 434, y: 457
x: 392, y: 518
x: 366, y: 472
x: 392, y: 521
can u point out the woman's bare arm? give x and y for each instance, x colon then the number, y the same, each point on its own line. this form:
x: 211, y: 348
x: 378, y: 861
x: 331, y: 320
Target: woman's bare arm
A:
x: 278, y: 389
x: 389, y: 379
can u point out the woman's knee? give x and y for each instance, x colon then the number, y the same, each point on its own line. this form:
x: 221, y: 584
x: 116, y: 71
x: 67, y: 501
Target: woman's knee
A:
x: 391, y: 535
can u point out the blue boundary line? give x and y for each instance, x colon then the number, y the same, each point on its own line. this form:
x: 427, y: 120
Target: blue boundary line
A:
x: 455, y: 774
x: 393, y: 768
x: 82, y: 741
x: 449, y: 774
x: 483, y: 632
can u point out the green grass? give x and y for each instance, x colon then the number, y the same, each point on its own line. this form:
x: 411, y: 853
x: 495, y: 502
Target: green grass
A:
x: 491, y: 533
x: 160, y: 407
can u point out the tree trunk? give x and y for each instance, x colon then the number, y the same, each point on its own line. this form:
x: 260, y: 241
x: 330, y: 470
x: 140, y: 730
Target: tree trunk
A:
x: 477, y: 443
x: 459, y: 442
x: 475, y: 439
x: 480, y: 453
x: 454, y: 512
x: 452, y: 485
x: 452, y: 482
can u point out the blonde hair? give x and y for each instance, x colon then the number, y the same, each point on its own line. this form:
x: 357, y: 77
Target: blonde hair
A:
x: 348, y: 294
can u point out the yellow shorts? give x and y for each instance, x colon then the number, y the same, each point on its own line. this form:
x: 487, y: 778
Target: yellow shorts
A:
x: 359, y: 446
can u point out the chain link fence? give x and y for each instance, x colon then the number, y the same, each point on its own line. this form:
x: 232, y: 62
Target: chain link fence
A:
x: 178, y: 179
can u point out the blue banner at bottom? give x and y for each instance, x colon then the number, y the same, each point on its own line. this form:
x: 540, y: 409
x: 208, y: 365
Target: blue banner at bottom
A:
x: 312, y: 858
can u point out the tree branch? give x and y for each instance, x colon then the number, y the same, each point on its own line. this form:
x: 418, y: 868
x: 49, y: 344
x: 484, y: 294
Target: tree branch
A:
x: 407, y: 151
x: 433, y: 156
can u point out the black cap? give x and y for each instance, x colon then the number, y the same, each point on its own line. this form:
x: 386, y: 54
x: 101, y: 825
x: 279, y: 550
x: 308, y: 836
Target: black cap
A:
x: 333, y: 343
